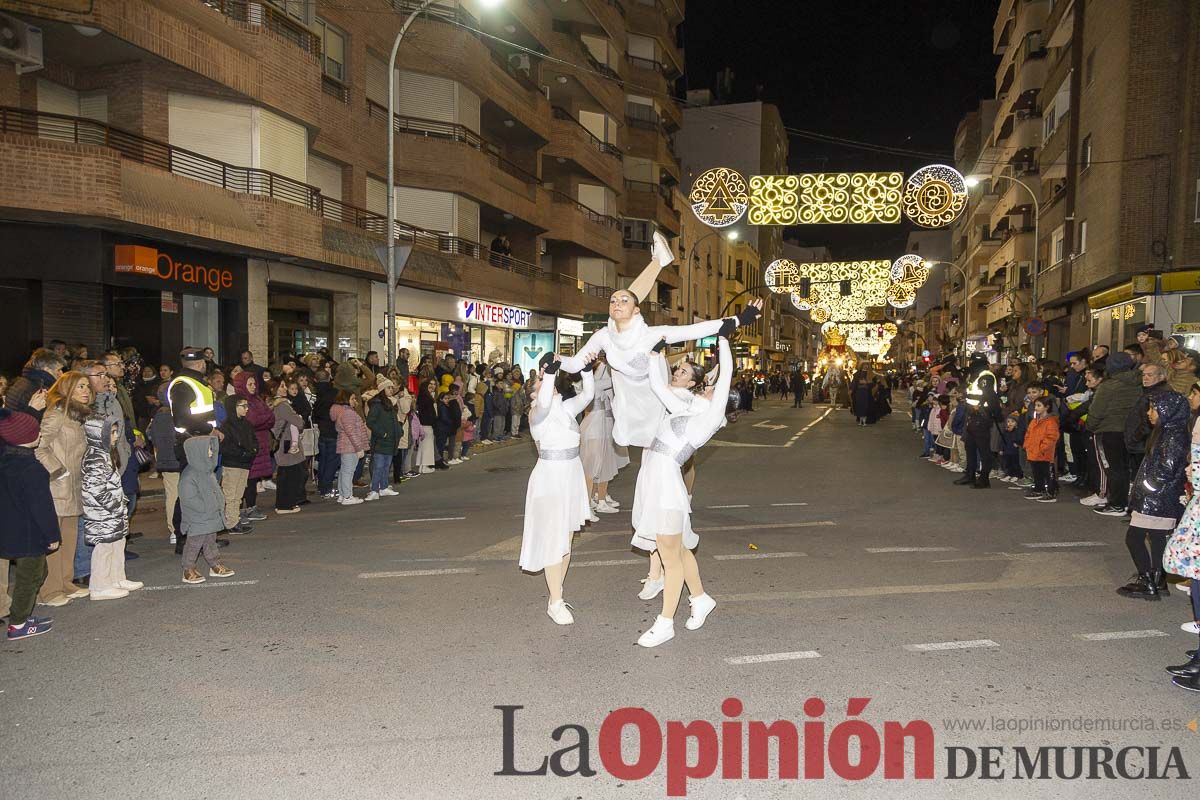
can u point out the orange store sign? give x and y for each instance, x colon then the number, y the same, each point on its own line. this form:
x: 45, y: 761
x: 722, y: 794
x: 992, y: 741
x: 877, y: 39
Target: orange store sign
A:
x: 136, y: 259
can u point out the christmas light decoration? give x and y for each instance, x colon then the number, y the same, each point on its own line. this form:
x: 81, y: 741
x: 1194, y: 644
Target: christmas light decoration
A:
x: 719, y: 197
x: 934, y: 196
x: 781, y: 276
x: 853, y: 197
x: 773, y: 200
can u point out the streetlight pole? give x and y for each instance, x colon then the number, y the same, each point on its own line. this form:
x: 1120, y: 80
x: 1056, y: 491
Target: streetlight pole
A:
x: 1033, y: 289
x: 391, y: 178
x: 966, y: 297
x: 687, y: 306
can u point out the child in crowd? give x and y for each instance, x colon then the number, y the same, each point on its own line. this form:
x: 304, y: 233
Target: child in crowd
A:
x: 468, y: 426
x: 1010, y: 454
x: 203, y: 509
x: 238, y: 450
x: 105, y: 517
x: 932, y: 425
x: 30, y: 528
x: 958, y: 426
x: 942, y: 411
x: 1041, y: 443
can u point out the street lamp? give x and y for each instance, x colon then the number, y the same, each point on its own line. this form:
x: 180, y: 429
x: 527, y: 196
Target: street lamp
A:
x: 731, y: 236
x: 391, y: 176
x: 973, y: 181
x: 966, y: 296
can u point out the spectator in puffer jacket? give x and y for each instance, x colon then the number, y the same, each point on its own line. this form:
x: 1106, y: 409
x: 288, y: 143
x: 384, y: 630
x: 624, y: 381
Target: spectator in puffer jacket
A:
x: 353, y: 440
x: 203, y: 507
x: 105, y: 516
x: 238, y: 451
x: 166, y: 459
x: 1114, y: 399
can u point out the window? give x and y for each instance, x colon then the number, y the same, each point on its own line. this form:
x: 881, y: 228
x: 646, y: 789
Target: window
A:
x: 1057, y: 241
x: 1085, y: 153
x: 738, y: 274
x: 1048, y: 122
x: 333, y: 50
x: 1089, y: 69
x: 1082, y: 237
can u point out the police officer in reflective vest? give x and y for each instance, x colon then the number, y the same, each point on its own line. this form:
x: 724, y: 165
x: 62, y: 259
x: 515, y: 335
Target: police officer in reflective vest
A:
x: 983, y: 412
x: 192, y: 399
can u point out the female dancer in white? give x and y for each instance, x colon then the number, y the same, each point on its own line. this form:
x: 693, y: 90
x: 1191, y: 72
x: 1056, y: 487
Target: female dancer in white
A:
x: 556, y: 500
x: 602, y: 458
x: 661, y: 506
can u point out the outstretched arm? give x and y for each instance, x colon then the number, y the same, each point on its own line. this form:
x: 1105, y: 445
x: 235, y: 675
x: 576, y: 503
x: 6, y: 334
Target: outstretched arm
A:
x: 658, y: 384
x: 597, y: 342
x: 675, y: 334
x: 545, y: 395
x: 720, y: 396
x: 581, y: 401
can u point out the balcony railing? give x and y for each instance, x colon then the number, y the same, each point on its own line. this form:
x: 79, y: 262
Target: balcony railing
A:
x: 592, y: 215
x: 590, y: 289
x: 645, y: 63
x: 244, y: 180
x: 640, y: 115
x: 263, y: 15
x: 647, y: 187
x: 335, y: 88
x: 601, y: 145
x: 453, y: 132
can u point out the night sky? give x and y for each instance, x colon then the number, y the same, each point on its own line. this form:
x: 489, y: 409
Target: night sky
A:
x: 893, y: 72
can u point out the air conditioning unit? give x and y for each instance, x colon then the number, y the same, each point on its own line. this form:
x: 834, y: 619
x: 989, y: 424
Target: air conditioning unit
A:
x: 520, y: 61
x: 20, y: 43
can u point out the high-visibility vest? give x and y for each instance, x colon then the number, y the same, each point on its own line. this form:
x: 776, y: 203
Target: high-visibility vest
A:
x: 203, y: 399
x: 974, y: 391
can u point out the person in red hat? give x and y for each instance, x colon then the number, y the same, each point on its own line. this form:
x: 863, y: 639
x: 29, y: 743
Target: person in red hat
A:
x: 28, y: 522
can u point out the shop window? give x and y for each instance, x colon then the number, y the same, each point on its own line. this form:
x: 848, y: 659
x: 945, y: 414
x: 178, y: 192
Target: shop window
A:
x: 333, y: 50
x: 1190, y: 309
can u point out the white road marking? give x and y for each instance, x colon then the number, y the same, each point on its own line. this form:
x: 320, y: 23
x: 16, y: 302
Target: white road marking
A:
x: 804, y: 430
x: 433, y: 519
x: 965, y: 645
x: 789, y: 504
x: 214, y: 582
x: 1101, y: 637
x: 616, y: 562
x: 735, y: 505
x: 416, y: 573
x: 768, y: 657
x: 910, y: 549
x: 1065, y: 544
x: 817, y: 524
x: 748, y: 556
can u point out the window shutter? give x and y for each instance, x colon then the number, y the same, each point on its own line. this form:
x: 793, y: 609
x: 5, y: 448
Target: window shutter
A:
x: 215, y: 128
x: 326, y: 176
x: 282, y: 146
x: 376, y: 196
x: 377, y: 80
x: 425, y: 97
x: 94, y: 105
x: 425, y: 209
x: 468, y: 219
x: 468, y: 108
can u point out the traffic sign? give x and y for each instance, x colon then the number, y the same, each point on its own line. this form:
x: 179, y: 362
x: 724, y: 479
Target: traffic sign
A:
x: 1035, y: 326
x: 381, y: 333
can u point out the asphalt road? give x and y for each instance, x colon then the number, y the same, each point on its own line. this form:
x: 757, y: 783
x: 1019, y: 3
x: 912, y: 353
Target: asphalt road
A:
x: 361, y: 652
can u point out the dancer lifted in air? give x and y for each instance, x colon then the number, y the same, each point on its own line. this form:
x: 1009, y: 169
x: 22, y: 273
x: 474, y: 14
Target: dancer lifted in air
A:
x: 602, y: 458
x: 556, y: 500
x: 661, y: 505
x: 626, y: 343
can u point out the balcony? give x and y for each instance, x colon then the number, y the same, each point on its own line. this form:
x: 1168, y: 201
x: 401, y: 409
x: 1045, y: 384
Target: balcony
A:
x: 1016, y: 248
x: 270, y: 19
x: 582, y: 230
x: 582, y: 88
x: 651, y: 201
x: 650, y: 18
x: 644, y: 72
x: 653, y: 144
x: 570, y: 140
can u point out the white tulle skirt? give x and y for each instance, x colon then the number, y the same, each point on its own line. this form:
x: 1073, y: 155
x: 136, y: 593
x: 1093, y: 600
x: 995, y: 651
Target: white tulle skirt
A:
x: 602, y: 457
x: 556, y: 505
x: 660, y: 503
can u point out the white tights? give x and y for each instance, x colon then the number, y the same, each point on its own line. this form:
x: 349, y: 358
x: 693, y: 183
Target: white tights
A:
x: 555, y: 575
x: 679, y: 567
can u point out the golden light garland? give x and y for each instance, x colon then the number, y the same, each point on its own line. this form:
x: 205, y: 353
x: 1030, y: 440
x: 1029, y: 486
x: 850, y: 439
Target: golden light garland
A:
x: 781, y: 276
x: 853, y: 197
x: 934, y: 196
x: 773, y: 200
x: 719, y: 197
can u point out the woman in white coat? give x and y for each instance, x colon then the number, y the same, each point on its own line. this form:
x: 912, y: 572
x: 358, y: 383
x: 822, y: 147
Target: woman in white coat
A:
x: 661, y: 504
x: 556, y: 500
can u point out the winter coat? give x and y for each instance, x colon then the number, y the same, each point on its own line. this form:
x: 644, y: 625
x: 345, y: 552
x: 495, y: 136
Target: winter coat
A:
x: 1181, y: 380
x: 404, y: 407
x: 353, y: 436
x: 240, y: 445
x: 1041, y: 438
x: 427, y: 410
x: 262, y: 419
x: 958, y: 420
x: 303, y: 408
x: 449, y: 418
x: 385, y: 427
x: 1137, y: 426
x: 326, y: 393
x: 162, y: 439
x: 61, y: 453
x: 105, y: 516
x: 1112, y: 402
x: 501, y: 405
x: 1160, y: 479
x: 200, y: 498
x: 28, y: 519
x: 288, y: 425
x: 518, y: 402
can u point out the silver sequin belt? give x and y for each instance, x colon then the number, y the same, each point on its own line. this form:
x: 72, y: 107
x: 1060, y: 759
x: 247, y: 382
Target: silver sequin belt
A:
x: 559, y: 455
x: 680, y: 456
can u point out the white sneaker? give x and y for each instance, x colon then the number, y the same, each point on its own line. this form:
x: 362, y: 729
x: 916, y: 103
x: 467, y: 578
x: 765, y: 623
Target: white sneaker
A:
x: 171, y: 539
x: 560, y: 612
x: 1190, y: 627
x: 651, y: 589
x: 371, y: 496
x: 663, y: 630
x: 661, y: 250
x: 267, y: 484
x: 426, y: 470
x: 350, y: 501
x: 109, y: 594
x: 465, y: 458
x: 454, y: 461
x: 592, y: 517
x: 604, y: 508
x: 1093, y: 500
x: 388, y: 492
x: 130, y: 586
x: 702, y: 606
x: 611, y: 502
x: 486, y: 441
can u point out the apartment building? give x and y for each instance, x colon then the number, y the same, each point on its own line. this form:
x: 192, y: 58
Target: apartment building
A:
x: 750, y: 138
x: 215, y: 171
x: 1093, y: 148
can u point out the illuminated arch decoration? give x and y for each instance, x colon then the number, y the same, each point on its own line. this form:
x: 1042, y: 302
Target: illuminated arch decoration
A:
x: 908, y: 274
x: 781, y: 276
x: 934, y: 196
x: 719, y: 197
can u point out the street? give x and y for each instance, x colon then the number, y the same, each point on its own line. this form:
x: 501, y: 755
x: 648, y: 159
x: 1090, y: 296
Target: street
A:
x: 361, y: 652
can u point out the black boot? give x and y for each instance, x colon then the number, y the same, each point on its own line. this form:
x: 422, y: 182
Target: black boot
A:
x: 1160, y: 582
x: 965, y: 480
x: 1134, y: 585
x: 1189, y: 670
x: 1192, y: 684
x: 1146, y: 588
x: 982, y: 483
x: 180, y: 541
